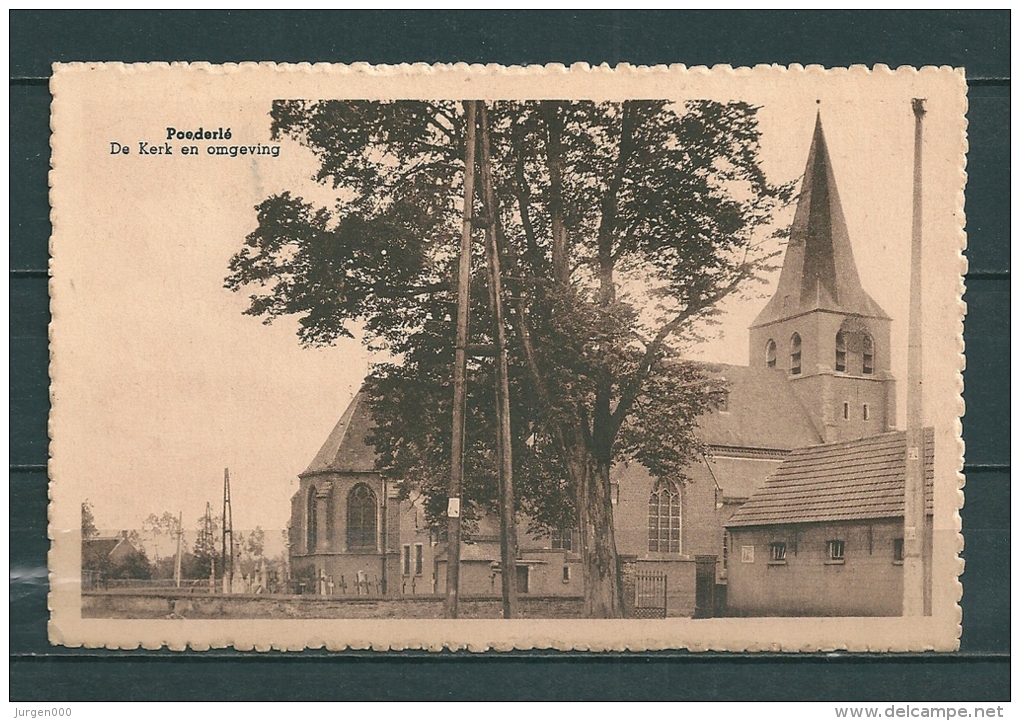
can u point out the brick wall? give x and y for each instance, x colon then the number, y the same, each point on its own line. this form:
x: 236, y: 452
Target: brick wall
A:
x: 162, y: 605
x: 869, y: 582
x: 701, y: 532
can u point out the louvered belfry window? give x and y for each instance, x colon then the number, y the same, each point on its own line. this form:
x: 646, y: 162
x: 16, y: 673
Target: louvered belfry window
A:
x: 664, y: 518
x: 361, y: 518
x: 867, y: 356
x: 795, y: 350
x: 840, y: 353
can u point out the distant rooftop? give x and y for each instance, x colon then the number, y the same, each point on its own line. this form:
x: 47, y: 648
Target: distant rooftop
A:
x: 763, y: 411
x: 347, y: 449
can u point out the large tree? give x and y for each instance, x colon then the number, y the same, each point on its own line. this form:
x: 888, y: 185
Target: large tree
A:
x: 159, y: 535
x: 621, y: 225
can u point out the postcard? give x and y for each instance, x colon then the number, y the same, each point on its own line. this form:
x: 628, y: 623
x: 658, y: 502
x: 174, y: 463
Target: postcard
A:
x: 482, y: 357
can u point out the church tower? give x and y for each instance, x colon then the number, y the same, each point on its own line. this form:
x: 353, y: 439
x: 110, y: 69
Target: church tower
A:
x: 821, y: 327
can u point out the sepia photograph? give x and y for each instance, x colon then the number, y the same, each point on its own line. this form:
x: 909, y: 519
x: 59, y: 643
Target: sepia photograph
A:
x: 451, y: 356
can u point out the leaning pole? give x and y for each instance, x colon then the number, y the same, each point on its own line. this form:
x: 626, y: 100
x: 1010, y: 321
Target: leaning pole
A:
x: 460, y: 372
x: 504, y: 445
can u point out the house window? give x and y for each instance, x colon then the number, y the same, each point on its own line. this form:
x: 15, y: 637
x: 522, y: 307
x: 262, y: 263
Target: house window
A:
x: 361, y: 518
x: 566, y: 574
x: 846, y: 411
x: 419, y: 557
x: 866, y: 412
x: 836, y: 550
x: 770, y: 354
x: 664, y: 518
x: 747, y: 554
x: 868, y: 355
x: 897, y: 550
x: 840, y: 353
x: 725, y: 549
x: 777, y: 552
x: 795, y: 345
x: 313, y: 521
x: 406, y: 560
x: 562, y: 539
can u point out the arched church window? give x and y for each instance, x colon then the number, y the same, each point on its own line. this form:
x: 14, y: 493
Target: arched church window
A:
x: 664, y: 518
x: 313, y: 521
x: 840, y: 353
x: 867, y: 355
x: 795, y: 345
x: 361, y: 518
x: 770, y: 354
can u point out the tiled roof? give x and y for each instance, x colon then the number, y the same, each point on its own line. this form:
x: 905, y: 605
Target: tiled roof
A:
x: 347, y: 450
x: 763, y: 411
x: 852, y: 480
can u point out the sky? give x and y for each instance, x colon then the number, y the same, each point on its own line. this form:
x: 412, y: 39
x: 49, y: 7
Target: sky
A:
x: 161, y: 382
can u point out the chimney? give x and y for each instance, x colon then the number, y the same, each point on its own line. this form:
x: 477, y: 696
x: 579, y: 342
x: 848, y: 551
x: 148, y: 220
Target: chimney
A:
x: 913, y: 505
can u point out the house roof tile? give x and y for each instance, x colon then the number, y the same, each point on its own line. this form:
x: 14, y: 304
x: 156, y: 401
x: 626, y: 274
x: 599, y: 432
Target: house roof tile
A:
x: 851, y: 480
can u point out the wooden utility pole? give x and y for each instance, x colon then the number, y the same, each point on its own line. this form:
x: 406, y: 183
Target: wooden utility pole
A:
x: 177, y: 560
x: 228, y: 532
x: 453, y: 509
x: 913, y: 502
x: 507, y: 518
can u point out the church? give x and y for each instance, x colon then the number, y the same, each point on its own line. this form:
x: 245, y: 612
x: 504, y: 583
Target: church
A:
x: 819, y: 376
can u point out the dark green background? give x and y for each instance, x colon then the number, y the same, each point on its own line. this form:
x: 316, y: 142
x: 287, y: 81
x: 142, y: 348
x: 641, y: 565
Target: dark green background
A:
x: 978, y: 41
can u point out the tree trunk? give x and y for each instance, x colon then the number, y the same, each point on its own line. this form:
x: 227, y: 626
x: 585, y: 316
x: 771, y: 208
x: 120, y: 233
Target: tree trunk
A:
x: 590, y: 454
x: 590, y: 476
x: 554, y: 157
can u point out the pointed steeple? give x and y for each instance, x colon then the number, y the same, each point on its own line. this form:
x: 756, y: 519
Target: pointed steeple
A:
x: 819, y: 272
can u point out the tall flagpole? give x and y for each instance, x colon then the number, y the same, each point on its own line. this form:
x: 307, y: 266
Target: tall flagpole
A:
x: 913, y: 502
x: 453, y: 509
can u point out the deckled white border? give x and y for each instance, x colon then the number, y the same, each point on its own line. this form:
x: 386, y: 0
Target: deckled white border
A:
x: 939, y: 632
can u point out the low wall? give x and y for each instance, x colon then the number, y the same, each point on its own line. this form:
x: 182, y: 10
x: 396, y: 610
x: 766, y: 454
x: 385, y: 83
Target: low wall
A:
x: 155, y: 604
x: 680, y: 583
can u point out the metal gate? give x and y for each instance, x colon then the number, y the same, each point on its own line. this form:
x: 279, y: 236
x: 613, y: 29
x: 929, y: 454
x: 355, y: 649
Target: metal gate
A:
x: 650, y: 594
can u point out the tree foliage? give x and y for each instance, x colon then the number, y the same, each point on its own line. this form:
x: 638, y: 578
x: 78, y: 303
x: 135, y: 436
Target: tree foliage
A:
x: 135, y: 564
x: 159, y: 534
x: 207, y: 548
x: 88, y: 522
x: 622, y: 225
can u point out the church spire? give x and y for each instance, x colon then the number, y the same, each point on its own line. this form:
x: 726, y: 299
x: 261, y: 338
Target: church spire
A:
x: 819, y: 272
